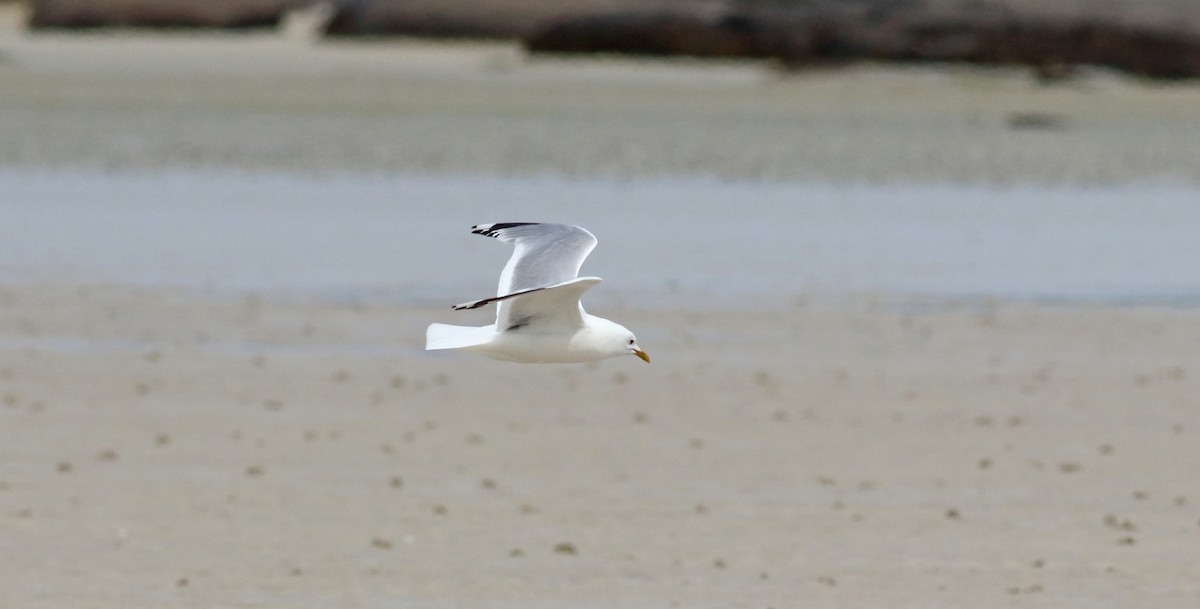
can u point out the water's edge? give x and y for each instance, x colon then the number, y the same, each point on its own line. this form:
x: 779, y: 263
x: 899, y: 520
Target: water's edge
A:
x: 687, y: 241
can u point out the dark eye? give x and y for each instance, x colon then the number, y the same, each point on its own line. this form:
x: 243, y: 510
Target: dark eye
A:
x: 631, y: 341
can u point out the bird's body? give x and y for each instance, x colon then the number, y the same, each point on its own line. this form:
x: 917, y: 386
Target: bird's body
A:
x: 539, y: 318
x: 532, y: 347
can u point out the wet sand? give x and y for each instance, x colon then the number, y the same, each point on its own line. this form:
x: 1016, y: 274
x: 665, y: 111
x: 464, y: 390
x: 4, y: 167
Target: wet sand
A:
x: 164, y: 449
x: 177, y: 447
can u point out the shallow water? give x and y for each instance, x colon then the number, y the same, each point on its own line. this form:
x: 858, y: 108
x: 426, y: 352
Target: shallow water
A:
x: 709, y: 242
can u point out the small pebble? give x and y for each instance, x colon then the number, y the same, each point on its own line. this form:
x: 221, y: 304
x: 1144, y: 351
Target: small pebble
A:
x: 1069, y: 467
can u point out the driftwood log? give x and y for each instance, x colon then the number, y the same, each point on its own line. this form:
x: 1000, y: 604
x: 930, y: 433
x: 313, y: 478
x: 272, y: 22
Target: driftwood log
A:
x: 1053, y: 47
x: 77, y: 14
x: 436, y: 18
x: 481, y: 18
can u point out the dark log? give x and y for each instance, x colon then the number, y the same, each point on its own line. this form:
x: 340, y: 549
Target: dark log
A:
x: 479, y: 18
x: 651, y: 35
x: 798, y: 38
x: 77, y: 14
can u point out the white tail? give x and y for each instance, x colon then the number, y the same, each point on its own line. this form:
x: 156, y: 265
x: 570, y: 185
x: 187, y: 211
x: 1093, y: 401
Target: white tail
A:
x: 446, y: 336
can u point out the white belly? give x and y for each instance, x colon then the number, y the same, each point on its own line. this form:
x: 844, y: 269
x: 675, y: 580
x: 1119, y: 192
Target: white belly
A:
x: 536, y: 348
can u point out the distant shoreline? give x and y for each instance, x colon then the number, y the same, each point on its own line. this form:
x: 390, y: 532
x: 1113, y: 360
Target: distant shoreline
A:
x: 262, y: 101
x: 1157, y: 39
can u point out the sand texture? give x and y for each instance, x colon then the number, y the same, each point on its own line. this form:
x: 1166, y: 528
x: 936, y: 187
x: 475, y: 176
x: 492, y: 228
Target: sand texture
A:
x: 163, y: 449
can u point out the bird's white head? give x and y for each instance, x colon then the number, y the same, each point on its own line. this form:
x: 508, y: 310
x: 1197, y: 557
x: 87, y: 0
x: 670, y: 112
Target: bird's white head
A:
x: 615, y: 339
x: 631, y: 346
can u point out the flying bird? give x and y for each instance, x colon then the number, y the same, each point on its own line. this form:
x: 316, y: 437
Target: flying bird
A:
x: 539, y: 318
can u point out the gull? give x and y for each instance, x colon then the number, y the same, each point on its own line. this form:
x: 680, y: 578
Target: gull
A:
x: 539, y: 318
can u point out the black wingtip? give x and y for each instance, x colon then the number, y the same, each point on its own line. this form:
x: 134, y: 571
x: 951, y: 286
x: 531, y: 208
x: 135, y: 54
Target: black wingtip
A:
x: 493, y: 230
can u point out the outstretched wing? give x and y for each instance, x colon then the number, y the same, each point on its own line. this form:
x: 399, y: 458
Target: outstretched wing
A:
x: 549, y: 308
x: 543, y: 254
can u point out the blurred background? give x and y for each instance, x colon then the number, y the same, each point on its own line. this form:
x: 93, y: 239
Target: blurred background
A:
x: 836, y: 148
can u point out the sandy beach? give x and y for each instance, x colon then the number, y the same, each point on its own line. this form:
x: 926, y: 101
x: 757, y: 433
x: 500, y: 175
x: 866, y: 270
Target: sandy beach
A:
x: 176, y: 445
x: 164, y: 449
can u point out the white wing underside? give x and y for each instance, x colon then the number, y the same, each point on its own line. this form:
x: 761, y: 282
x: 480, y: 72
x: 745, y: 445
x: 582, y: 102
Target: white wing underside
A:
x: 539, y: 287
x: 543, y: 254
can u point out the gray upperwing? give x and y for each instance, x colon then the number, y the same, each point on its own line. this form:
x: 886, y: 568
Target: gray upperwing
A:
x: 553, y: 308
x: 475, y: 304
